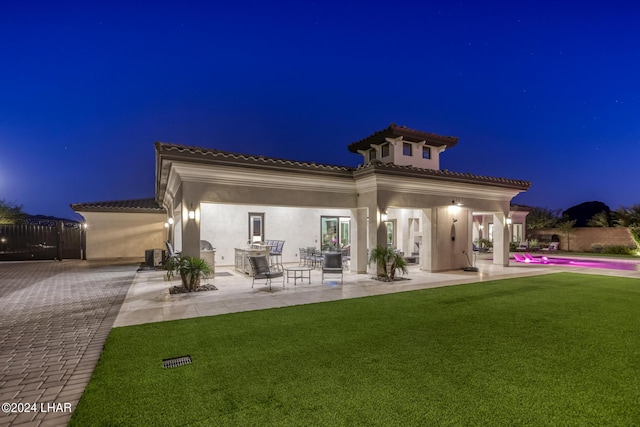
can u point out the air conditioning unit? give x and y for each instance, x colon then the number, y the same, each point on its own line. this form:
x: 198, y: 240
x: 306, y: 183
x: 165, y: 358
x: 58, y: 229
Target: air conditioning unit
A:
x: 154, y: 257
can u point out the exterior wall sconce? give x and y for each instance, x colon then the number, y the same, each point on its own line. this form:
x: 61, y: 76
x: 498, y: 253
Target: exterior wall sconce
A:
x: 170, y: 221
x: 192, y: 213
x: 509, y: 221
x: 166, y: 225
x: 384, y: 217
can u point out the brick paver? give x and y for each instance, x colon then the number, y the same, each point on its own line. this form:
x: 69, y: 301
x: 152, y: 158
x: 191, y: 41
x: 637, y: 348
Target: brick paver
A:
x: 54, y: 320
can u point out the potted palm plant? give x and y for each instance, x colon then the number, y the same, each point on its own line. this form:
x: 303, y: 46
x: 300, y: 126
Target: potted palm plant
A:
x: 190, y: 269
x: 388, y: 262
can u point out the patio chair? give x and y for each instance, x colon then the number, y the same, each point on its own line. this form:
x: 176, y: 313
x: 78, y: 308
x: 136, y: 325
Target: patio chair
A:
x: 553, y: 247
x: 332, y: 264
x: 523, y: 247
x: 262, y: 271
x: 171, y: 253
x: 275, y: 254
x: 346, y: 256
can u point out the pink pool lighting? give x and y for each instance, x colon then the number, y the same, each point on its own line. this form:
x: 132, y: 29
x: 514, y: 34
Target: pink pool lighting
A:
x: 576, y: 262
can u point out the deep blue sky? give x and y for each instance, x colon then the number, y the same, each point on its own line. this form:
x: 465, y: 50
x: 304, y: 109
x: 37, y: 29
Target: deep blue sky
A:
x: 542, y: 91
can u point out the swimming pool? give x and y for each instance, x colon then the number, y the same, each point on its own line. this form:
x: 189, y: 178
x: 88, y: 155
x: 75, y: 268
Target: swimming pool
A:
x: 577, y: 262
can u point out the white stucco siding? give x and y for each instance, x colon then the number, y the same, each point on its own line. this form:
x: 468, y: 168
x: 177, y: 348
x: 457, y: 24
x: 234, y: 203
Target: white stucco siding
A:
x: 415, y: 159
x: 123, y: 235
x: 226, y: 227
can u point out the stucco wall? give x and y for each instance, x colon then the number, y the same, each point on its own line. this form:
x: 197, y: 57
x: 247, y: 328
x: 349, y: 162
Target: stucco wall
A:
x: 226, y: 228
x: 123, y: 235
x: 582, y: 239
x: 415, y: 159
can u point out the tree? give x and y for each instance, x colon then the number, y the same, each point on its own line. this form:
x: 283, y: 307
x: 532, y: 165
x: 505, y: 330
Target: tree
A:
x: 600, y: 219
x: 584, y: 212
x: 627, y: 216
x: 10, y: 213
x: 542, y: 218
x: 567, y: 226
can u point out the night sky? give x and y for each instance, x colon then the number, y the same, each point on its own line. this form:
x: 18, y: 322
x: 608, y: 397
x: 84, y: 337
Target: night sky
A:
x: 547, y: 92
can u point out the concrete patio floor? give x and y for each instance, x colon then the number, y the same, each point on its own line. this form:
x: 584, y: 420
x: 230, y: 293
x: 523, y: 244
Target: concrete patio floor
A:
x: 149, y: 300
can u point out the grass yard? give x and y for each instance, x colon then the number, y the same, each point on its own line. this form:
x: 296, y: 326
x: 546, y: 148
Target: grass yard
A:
x: 560, y: 349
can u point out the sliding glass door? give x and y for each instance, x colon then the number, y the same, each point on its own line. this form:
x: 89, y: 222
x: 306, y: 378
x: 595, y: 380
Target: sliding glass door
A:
x: 334, y: 232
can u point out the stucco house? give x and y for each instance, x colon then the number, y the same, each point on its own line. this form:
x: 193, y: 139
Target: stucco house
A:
x: 398, y: 196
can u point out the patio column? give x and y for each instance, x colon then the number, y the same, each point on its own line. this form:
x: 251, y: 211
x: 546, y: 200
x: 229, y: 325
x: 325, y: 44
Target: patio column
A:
x: 500, y: 239
x: 359, y: 234
x: 191, y: 229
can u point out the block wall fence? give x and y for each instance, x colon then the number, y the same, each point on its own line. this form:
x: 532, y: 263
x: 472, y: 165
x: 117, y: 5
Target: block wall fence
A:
x: 583, y: 239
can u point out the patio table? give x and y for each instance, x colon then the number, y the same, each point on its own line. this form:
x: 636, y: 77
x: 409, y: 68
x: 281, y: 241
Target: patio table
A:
x: 298, y: 273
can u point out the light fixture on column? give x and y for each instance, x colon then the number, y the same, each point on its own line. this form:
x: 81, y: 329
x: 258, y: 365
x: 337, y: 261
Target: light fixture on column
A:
x: 384, y: 217
x: 509, y: 221
x: 192, y: 213
x: 170, y: 221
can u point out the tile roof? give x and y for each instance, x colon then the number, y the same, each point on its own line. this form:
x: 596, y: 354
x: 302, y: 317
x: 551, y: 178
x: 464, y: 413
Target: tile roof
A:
x: 165, y: 148
x: 410, y: 135
x: 192, y: 153
x: 134, y: 205
x: 391, y: 168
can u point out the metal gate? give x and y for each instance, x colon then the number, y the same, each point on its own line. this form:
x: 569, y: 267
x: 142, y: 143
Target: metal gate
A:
x: 48, y: 240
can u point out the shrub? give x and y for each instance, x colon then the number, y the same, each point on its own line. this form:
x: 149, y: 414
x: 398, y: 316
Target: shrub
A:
x: 635, y: 234
x: 597, y: 248
x: 618, y: 250
x: 190, y: 269
x: 388, y: 261
x: 484, y: 243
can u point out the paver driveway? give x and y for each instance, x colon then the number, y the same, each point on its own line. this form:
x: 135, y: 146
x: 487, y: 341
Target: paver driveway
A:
x: 54, y: 320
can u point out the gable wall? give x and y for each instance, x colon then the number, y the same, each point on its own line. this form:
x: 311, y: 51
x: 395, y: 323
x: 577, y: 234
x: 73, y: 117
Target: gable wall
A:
x: 123, y: 235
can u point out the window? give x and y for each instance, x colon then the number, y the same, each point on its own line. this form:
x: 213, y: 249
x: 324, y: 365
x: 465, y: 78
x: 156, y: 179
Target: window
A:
x: 426, y: 152
x: 372, y: 154
x: 256, y: 227
x: 517, y: 235
x: 391, y: 235
x: 407, y: 149
x: 385, y: 150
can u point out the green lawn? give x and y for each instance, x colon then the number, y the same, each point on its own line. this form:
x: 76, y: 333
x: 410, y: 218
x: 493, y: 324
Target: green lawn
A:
x: 559, y: 349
